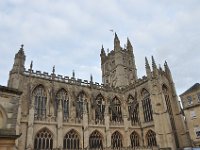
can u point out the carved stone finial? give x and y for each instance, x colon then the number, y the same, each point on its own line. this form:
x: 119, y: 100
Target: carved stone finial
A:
x: 22, y: 46
x: 91, y: 78
x: 53, y: 71
x: 31, y: 65
x: 73, y: 74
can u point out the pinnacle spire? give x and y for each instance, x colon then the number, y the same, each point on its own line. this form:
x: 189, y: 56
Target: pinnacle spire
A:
x: 73, y: 74
x: 102, y: 50
x: 53, y: 71
x: 153, y: 62
x: 31, y: 65
x: 116, y: 37
x: 91, y: 78
x: 21, y: 50
x: 147, y: 63
x: 129, y: 45
x: 116, y: 42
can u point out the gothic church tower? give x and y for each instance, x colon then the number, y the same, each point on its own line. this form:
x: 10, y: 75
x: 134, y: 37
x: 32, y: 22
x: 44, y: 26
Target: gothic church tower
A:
x: 118, y: 66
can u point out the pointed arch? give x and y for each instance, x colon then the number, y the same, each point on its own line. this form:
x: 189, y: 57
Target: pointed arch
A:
x: 115, y: 110
x: 151, y: 138
x: 96, y: 140
x: 43, y: 139
x: 145, y: 93
x: 99, y: 105
x: 62, y: 96
x: 146, y: 104
x: 81, y: 104
x: 71, y: 140
x: 134, y: 137
x: 116, y: 140
x: 133, y: 108
x: 40, y: 100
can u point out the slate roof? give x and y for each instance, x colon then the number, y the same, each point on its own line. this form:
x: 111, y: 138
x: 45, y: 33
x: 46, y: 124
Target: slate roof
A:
x: 196, y: 86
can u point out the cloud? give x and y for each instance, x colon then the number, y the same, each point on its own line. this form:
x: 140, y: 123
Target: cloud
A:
x: 69, y: 34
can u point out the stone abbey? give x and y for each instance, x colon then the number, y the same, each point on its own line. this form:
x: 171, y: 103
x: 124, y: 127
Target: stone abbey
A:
x: 125, y: 112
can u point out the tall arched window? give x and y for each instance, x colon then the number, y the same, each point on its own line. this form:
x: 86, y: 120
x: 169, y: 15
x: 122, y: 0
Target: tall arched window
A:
x: 63, y: 97
x: 71, y: 140
x: 115, y: 110
x: 134, y: 139
x: 40, y: 102
x: 99, y: 105
x: 147, y: 107
x: 80, y: 104
x: 151, y: 138
x: 43, y: 140
x: 133, y: 109
x: 116, y: 140
x: 169, y: 109
x: 95, y: 140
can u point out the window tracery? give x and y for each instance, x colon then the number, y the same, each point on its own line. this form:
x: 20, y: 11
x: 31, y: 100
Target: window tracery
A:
x: 151, y: 138
x: 71, y: 140
x: 81, y: 104
x: 99, y: 105
x: 116, y: 140
x: 95, y: 141
x: 43, y: 140
x: 40, y: 102
x: 63, y: 97
x: 147, y: 107
x: 115, y: 110
x: 133, y: 109
x: 134, y: 139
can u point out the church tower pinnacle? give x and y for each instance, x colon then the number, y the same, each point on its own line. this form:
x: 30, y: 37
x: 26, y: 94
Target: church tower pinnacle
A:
x: 18, y: 66
x: 118, y: 66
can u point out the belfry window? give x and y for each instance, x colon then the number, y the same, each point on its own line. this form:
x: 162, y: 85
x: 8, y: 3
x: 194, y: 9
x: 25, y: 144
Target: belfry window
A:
x: 134, y: 139
x: 115, y: 110
x: 133, y: 109
x: 40, y: 103
x: 116, y: 140
x: 147, y: 107
x: 71, y: 140
x: 151, y: 138
x: 80, y: 102
x: 99, y: 105
x: 95, y: 140
x: 63, y: 97
x: 43, y: 140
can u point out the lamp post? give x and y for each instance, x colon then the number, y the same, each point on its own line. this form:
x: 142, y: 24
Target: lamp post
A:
x: 83, y: 136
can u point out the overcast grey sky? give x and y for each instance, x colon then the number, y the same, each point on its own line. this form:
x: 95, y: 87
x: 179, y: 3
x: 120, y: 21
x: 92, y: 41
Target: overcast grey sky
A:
x: 69, y: 35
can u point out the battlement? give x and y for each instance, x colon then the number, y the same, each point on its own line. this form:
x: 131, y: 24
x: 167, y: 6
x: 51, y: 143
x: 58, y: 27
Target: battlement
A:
x: 63, y: 79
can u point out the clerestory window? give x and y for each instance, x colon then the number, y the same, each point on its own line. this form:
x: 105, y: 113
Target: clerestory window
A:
x: 147, y: 107
x: 40, y: 103
x: 115, y: 110
x: 133, y: 109
x: 62, y: 97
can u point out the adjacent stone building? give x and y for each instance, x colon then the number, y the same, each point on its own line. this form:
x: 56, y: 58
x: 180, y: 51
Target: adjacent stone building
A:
x: 191, y: 106
x: 124, y: 112
x: 9, y: 125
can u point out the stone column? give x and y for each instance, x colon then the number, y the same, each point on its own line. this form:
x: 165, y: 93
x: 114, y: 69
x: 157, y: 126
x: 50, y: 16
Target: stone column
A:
x: 60, y: 125
x: 107, y: 124
x: 164, y: 135
x: 29, y: 144
x: 85, y: 125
